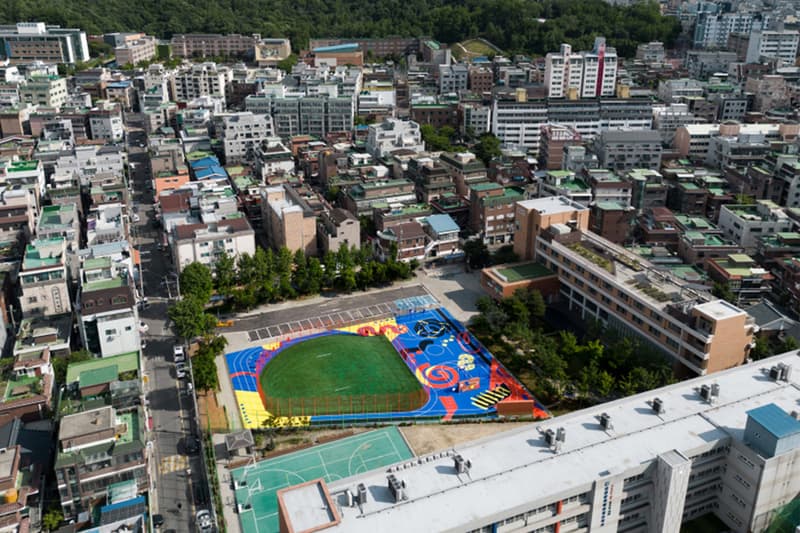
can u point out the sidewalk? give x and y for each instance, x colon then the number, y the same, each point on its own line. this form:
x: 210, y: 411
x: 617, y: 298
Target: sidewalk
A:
x: 226, y: 492
x: 226, y: 396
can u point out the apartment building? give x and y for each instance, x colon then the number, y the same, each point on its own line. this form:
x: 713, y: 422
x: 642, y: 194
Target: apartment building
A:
x: 778, y: 45
x: 96, y: 449
x: 694, y: 140
x: 725, y: 445
x: 475, y: 118
x: 27, y: 42
x: 517, y: 122
x: 43, y: 278
x: 108, y: 320
x: 204, y: 242
x: 453, y: 78
x: 60, y: 221
x: 288, y: 219
x: 747, y: 280
x: 393, y: 134
x: 106, y: 124
x: 583, y: 74
x: 24, y: 174
x: 362, y: 198
x: 744, y: 224
x: 491, y: 211
x: 621, y: 150
x: 136, y: 51
x: 465, y: 170
x: 554, y: 139
x: 480, y: 79
x: 50, y: 91
x: 713, y: 27
x: 530, y: 218
x: 241, y: 134
x: 337, y: 228
x: 202, y: 79
x: 270, y: 52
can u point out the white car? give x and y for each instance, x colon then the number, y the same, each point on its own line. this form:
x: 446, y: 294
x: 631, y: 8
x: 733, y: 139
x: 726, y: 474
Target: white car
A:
x: 180, y: 370
x: 204, y: 521
x: 143, y: 327
x: 178, y: 354
x: 135, y: 217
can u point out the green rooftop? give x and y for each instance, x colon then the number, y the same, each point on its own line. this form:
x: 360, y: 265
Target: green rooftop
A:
x: 23, y: 166
x: 521, y: 272
x: 486, y: 186
x: 709, y: 239
x: 97, y: 262
x: 112, y: 283
x: 124, y: 363
x: 131, y: 421
x: 575, y: 185
x: 39, y: 253
x: 98, y: 376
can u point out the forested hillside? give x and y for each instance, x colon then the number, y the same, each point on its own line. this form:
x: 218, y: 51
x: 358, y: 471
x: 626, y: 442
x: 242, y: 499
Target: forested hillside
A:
x: 511, y: 24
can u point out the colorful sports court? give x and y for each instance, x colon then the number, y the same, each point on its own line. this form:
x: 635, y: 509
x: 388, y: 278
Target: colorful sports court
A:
x: 460, y: 377
x: 256, y: 485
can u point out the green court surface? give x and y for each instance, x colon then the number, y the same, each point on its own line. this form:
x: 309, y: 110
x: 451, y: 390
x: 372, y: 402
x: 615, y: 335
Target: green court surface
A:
x: 339, y: 373
x: 331, y: 461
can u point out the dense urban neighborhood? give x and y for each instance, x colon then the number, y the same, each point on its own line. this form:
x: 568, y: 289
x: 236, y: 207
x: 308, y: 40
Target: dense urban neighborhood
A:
x: 488, y: 267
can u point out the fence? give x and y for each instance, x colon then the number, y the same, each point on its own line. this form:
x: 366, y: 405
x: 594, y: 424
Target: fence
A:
x: 346, y: 404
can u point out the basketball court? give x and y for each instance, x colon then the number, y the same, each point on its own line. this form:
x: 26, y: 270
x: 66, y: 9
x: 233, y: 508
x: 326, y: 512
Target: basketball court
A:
x: 256, y: 485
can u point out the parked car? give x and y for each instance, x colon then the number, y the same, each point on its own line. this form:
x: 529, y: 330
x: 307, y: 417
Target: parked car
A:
x: 192, y: 445
x: 178, y: 353
x: 158, y: 520
x: 180, y: 370
x: 205, y: 523
x: 143, y: 327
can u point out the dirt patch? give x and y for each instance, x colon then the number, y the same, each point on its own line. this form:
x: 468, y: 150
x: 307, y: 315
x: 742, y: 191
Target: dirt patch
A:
x: 211, y: 413
x: 428, y: 438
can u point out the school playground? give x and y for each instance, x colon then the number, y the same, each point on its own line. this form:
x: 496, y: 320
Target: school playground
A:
x: 256, y: 485
x: 459, y: 377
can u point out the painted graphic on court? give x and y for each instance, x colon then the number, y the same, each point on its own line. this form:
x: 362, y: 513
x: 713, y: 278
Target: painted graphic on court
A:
x: 420, y: 364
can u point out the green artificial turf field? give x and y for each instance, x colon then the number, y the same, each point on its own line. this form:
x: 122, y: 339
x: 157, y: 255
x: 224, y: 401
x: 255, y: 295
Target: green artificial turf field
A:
x: 339, y: 373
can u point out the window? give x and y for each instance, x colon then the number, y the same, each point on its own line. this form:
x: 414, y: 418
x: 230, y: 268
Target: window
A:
x: 110, y: 332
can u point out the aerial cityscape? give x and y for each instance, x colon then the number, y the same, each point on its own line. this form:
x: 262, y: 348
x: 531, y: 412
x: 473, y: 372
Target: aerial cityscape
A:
x: 488, y: 266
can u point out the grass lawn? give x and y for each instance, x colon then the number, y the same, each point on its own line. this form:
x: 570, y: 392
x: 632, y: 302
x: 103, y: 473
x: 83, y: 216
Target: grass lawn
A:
x: 340, y: 374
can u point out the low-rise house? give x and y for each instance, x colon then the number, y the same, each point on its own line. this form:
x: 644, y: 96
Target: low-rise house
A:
x: 43, y: 279
x: 408, y: 239
x: 747, y: 280
x: 337, y: 228
x: 203, y: 243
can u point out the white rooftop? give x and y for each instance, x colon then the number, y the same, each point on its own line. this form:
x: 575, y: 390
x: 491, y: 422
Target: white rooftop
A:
x: 520, y: 457
x: 309, y: 505
x: 719, y: 309
x: 552, y: 204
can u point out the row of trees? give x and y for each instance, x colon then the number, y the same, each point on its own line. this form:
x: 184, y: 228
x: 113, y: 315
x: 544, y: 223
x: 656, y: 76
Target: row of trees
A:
x: 267, y: 277
x: 514, y: 25
x: 552, y: 363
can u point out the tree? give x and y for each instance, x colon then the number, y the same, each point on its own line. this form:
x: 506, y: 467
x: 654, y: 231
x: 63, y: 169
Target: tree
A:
x: 190, y: 318
x: 505, y: 254
x: 488, y: 147
x: 789, y: 344
x: 52, y: 519
x: 761, y: 350
x: 300, y: 273
x: 197, y: 282
x: 288, y: 63
x: 225, y: 274
x: 60, y: 364
x: 723, y: 291
x: 204, y: 367
x: 477, y: 254
x: 315, y: 275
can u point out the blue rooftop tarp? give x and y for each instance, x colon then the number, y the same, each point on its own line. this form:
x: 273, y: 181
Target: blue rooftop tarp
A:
x: 442, y: 223
x: 205, y: 162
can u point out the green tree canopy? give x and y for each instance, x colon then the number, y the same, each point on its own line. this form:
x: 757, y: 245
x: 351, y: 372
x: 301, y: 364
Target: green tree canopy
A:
x: 197, y: 282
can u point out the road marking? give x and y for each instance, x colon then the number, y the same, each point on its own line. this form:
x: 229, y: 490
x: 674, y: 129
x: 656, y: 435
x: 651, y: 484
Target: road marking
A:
x: 326, y: 354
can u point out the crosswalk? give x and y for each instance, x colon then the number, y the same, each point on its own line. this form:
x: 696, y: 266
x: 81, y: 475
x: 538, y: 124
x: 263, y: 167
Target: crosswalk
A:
x: 173, y: 463
x: 489, y: 398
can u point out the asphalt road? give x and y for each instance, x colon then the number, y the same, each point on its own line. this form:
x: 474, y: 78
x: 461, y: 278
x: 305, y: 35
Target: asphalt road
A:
x: 326, y: 307
x: 178, y: 478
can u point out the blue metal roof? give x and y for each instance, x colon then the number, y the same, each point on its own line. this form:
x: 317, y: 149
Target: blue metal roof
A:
x: 348, y: 47
x: 213, y: 170
x: 205, y: 162
x: 775, y: 420
x: 442, y: 223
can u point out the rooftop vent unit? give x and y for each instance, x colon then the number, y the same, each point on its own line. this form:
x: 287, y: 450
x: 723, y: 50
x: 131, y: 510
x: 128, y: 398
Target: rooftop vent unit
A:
x: 786, y: 372
x: 561, y: 435
x: 362, y: 493
x: 658, y: 406
x: 349, y: 500
x: 605, y: 421
x: 714, y: 390
x: 705, y: 392
x: 775, y: 373
x: 550, y: 437
x: 462, y: 466
x: 397, y: 488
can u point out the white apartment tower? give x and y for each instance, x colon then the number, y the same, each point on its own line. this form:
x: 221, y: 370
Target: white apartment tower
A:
x: 584, y: 74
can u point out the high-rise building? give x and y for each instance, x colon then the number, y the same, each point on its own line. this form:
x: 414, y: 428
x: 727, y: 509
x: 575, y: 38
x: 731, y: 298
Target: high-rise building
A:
x: 582, y: 74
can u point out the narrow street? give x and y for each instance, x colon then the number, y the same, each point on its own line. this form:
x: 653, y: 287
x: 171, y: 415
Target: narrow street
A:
x: 177, y: 477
